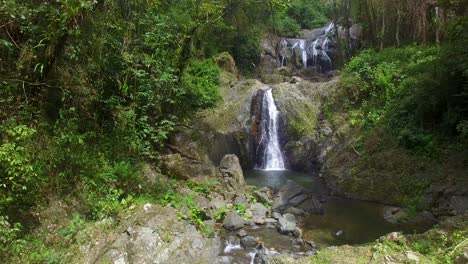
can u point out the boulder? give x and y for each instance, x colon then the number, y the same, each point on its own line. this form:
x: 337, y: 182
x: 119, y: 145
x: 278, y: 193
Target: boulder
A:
x: 249, y: 242
x: 295, y: 211
x: 233, y: 221
x: 259, y: 213
x: 276, y: 215
x: 241, y: 233
x: 231, y: 173
x: 297, y: 232
x: 294, y: 195
x: 287, y: 224
x: 154, y: 236
x: 263, y: 195
x: 184, y: 168
x: 459, y: 204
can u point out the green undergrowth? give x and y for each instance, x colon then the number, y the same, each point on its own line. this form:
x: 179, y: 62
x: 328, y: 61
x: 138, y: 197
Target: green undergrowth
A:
x: 402, y: 113
x: 70, y: 231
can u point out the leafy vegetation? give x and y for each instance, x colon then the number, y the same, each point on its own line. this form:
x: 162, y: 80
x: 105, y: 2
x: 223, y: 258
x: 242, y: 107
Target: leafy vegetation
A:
x: 404, y: 106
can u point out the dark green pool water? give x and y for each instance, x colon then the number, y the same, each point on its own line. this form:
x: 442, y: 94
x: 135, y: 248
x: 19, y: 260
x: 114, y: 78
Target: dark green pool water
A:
x: 359, y: 221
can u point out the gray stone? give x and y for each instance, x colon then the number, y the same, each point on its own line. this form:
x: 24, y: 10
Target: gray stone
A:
x: 259, y: 213
x: 298, y: 241
x: 287, y: 224
x: 459, y: 204
x: 311, y: 243
x: 197, y: 244
x: 241, y: 233
x: 249, y: 242
x: 412, y: 256
x: 295, y: 211
x: 233, y: 221
x: 294, y: 195
x: 240, y: 199
x: 276, y: 215
x: 297, y: 232
x: 270, y: 220
x: 231, y: 172
x: 263, y: 195
x: 339, y: 233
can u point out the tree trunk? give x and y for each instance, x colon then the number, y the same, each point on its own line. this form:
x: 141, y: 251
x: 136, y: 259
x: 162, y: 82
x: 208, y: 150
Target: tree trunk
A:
x: 382, y: 33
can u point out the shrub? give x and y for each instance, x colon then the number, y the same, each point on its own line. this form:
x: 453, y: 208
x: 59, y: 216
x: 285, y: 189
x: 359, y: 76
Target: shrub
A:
x: 288, y: 27
x: 201, y: 84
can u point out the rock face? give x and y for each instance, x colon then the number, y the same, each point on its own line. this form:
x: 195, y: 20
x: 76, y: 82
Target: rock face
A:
x: 185, y: 168
x: 300, y: 104
x: 231, y: 172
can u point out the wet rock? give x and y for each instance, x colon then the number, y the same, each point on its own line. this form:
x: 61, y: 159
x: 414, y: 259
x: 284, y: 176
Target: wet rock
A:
x: 240, y: 199
x: 339, y: 233
x: 226, y: 259
x: 295, y: 211
x: 297, y: 232
x: 249, y: 242
x: 232, y: 240
x: 287, y: 224
x: 424, y: 219
x: 241, y: 233
x: 311, y: 243
x: 394, y: 215
x: 231, y: 172
x: 298, y: 242
x: 294, y: 195
x: 264, y: 255
x: 233, y: 221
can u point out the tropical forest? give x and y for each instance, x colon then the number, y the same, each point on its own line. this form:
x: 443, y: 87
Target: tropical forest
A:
x: 233, y: 131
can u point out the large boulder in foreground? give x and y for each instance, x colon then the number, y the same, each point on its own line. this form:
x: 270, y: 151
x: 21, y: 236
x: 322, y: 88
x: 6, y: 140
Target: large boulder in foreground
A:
x: 153, y: 234
x: 184, y: 168
x: 231, y: 173
x: 233, y: 221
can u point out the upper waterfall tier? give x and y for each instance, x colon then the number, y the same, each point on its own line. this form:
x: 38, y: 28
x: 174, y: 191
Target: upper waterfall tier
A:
x: 314, y: 52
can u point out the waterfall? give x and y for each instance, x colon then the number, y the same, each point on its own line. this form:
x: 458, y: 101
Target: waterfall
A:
x: 319, y: 47
x: 269, y: 156
x: 314, y: 52
x: 304, y: 52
